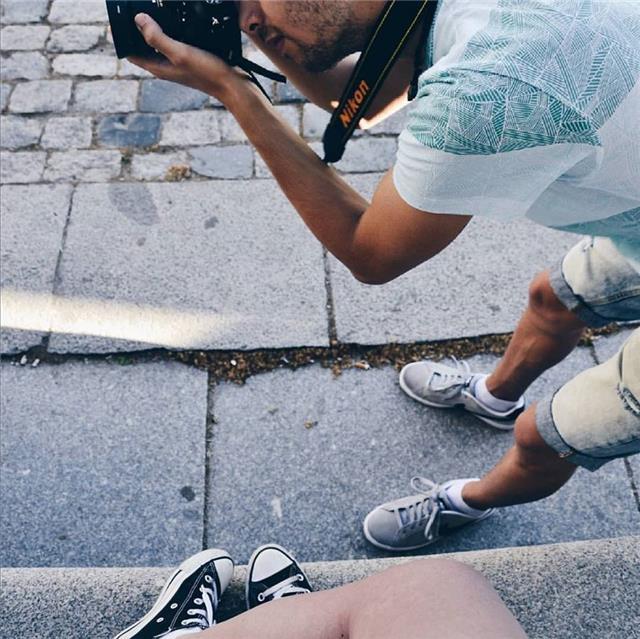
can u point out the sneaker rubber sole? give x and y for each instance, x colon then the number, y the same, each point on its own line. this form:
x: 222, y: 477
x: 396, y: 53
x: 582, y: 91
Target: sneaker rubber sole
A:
x: 172, y: 585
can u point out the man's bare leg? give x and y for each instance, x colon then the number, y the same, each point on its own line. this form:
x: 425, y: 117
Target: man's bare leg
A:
x: 529, y: 471
x: 427, y: 599
x: 545, y: 335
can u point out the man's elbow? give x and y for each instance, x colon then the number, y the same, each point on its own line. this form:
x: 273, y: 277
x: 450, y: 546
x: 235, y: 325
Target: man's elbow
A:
x: 374, y: 276
x: 369, y: 280
x: 373, y: 267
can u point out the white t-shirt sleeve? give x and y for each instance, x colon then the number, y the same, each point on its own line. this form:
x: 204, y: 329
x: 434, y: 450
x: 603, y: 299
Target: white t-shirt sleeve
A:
x: 501, y: 186
x: 484, y: 144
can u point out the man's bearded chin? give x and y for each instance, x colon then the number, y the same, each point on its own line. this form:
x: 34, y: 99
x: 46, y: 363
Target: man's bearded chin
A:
x: 325, y: 55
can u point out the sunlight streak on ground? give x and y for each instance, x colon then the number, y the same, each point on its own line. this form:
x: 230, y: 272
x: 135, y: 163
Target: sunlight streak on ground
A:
x: 171, y: 328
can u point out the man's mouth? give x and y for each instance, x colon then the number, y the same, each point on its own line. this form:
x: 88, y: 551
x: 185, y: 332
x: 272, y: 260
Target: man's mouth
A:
x: 276, y: 43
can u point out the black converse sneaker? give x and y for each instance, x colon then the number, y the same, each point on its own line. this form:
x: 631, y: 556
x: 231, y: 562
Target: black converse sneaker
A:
x: 273, y: 573
x: 188, y: 602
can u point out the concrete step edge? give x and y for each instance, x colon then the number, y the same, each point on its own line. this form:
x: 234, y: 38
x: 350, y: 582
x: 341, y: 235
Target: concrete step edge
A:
x: 580, y: 589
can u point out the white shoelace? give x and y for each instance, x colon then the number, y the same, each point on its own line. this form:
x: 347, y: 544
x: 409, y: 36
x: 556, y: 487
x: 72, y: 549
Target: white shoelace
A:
x: 284, y: 588
x: 426, y: 508
x: 461, y: 375
x: 204, y: 617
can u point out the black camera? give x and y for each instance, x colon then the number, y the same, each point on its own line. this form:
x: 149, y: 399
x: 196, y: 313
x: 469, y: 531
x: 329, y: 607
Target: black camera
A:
x: 211, y: 25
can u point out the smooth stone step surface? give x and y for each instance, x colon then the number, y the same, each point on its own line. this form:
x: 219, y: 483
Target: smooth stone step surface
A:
x: 299, y: 458
x: 102, y: 464
x: 208, y: 265
x: 586, y: 589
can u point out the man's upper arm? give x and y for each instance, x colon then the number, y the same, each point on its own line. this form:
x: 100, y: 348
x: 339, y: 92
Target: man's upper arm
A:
x: 392, y: 237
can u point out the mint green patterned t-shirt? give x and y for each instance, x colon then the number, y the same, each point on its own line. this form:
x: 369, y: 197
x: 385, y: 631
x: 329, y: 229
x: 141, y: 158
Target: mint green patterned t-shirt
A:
x: 530, y: 108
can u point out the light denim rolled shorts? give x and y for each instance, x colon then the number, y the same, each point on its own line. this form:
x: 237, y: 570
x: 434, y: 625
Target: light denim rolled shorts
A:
x: 595, y: 417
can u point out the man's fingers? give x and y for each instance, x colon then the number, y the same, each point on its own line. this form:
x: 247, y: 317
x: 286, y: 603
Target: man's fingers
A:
x: 160, y: 68
x: 148, y: 64
x: 155, y: 37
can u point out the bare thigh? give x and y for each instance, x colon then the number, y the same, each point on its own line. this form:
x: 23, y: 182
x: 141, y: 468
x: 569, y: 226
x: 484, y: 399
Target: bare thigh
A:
x: 426, y: 599
x: 431, y: 599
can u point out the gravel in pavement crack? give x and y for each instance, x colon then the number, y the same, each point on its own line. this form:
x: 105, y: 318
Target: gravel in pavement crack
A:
x: 238, y: 366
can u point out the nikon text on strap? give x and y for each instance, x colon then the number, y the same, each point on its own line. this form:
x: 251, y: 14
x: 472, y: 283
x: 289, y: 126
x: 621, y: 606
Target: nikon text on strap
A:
x: 397, y: 22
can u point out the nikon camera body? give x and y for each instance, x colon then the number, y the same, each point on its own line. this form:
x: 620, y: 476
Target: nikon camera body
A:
x: 211, y: 25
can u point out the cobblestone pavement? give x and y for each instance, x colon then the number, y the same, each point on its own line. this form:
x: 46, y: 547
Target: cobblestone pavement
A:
x: 72, y: 112
x: 136, y: 219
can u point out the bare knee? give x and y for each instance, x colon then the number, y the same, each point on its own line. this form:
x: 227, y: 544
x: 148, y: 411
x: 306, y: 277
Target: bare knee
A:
x: 458, y: 574
x: 409, y: 585
x: 546, y: 305
x: 396, y: 602
x: 532, y: 448
x: 427, y: 573
x: 534, y: 455
x: 434, y: 577
x: 450, y: 567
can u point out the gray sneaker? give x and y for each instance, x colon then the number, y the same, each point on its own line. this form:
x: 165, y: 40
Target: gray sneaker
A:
x: 442, y: 386
x: 416, y: 521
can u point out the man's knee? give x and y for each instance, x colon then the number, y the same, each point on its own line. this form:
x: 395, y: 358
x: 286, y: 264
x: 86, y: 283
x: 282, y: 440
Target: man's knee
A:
x: 544, y: 302
x: 532, y: 449
x: 536, y: 456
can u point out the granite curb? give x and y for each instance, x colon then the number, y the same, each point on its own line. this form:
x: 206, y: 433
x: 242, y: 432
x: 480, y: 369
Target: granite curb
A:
x: 580, y: 589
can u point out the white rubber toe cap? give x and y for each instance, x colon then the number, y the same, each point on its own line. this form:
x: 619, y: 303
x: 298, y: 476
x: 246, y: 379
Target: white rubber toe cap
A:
x: 224, y: 566
x: 268, y: 561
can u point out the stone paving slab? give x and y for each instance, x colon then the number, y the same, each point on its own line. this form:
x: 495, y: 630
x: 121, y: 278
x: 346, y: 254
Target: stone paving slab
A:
x: 70, y: 11
x: 299, y: 458
x: 102, y: 464
x: 213, y: 265
x: 5, y: 90
x: 32, y: 220
x: 24, y: 38
x: 23, y: 10
x: 476, y: 286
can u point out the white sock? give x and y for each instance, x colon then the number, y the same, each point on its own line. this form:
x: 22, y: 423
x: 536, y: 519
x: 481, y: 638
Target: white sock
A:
x: 453, y: 497
x: 482, y: 394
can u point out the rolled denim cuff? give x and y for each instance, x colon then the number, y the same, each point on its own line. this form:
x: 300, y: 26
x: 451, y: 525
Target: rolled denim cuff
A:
x: 572, y: 301
x: 549, y: 432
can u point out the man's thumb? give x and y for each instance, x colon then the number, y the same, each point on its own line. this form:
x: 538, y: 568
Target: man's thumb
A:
x: 141, y: 19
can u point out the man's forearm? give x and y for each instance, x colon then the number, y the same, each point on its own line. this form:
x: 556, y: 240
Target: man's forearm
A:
x: 327, y: 204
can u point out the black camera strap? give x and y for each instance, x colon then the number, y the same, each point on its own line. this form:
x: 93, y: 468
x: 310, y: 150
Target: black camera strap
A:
x: 251, y: 69
x: 397, y: 22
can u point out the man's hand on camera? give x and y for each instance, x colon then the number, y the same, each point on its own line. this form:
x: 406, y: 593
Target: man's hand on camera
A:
x: 185, y: 64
